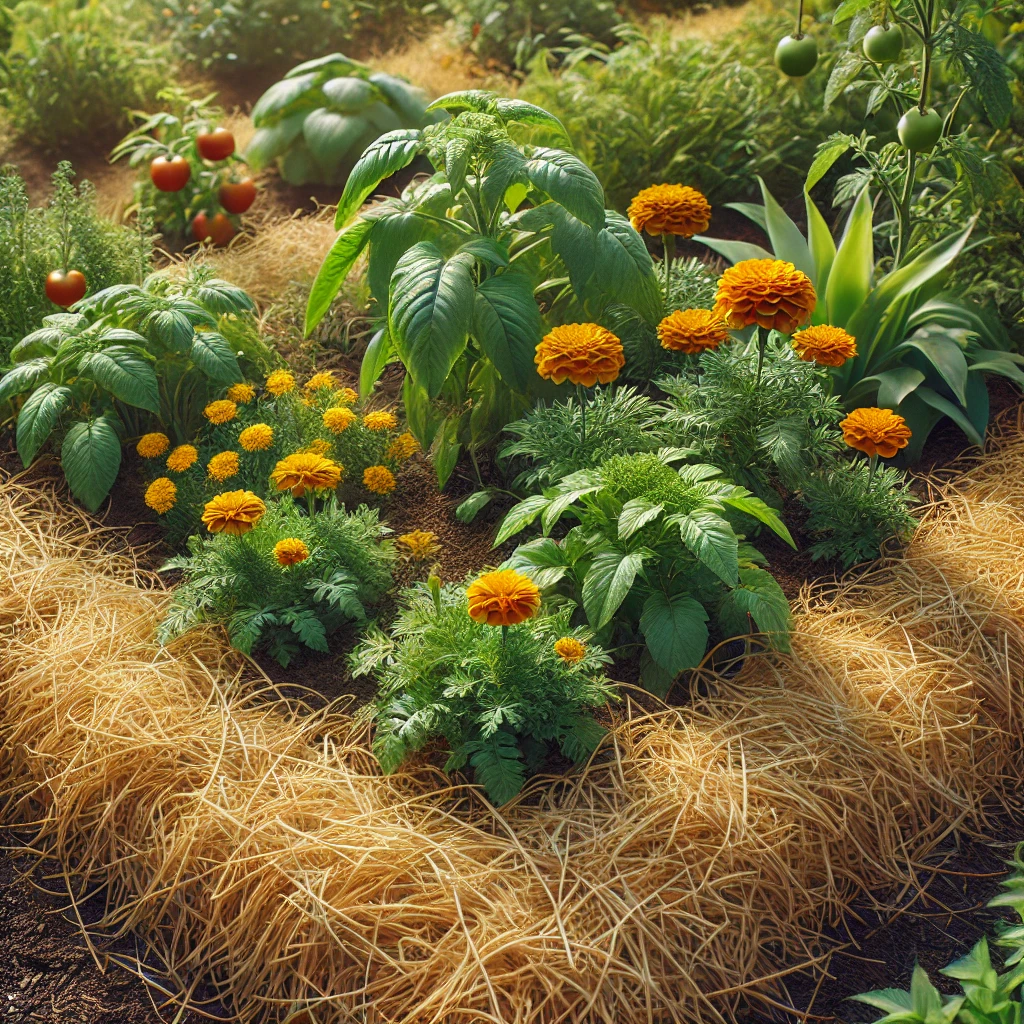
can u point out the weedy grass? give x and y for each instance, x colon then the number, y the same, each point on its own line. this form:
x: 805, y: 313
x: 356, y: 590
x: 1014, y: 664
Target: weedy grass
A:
x: 679, y: 876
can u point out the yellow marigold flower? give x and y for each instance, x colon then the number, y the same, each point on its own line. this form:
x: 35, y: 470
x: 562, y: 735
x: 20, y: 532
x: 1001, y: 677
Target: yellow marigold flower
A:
x: 318, y: 446
x: 420, y: 544
x: 825, y: 345
x: 306, y: 471
x: 161, y: 495
x: 233, y: 512
x: 347, y: 396
x: 280, y: 382
x: 241, y: 394
x: 770, y: 293
x: 325, y: 379
x: 338, y: 418
x: 405, y: 446
x: 223, y: 465
x: 380, y: 420
x: 290, y: 551
x: 670, y: 210
x: 378, y: 479
x: 183, y: 457
x: 570, y: 650
x: 503, y: 598
x: 221, y: 411
x: 151, y: 446
x: 692, y: 331
x: 581, y: 353
x: 257, y: 438
x: 875, y: 432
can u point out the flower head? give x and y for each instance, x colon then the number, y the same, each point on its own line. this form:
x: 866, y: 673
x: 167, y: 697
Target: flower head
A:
x: 257, y: 438
x: 318, y: 446
x: 290, y: 551
x: 825, y: 345
x: 161, y: 495
x: 306, y: 471
x: 223, y: 465
x: 323, y: 380
x: 221, y: 411
x: 405, y: 446
x: 380, y: 420
x: 770, y: 293
x: 241, y: 394
x: 347, y: 396
x: 503, y: 598
x: 233, y: 512
x: 670, y: 210
x: 580, y: 353
x: 692, y: 331
x: 420, y: 544
x: 280, y: 382
x: 570, y: 650
x: 378, y: 479
x: 152, y: 446
x: 875, y: 432
x: 183, y: 457
x: 338, y: 418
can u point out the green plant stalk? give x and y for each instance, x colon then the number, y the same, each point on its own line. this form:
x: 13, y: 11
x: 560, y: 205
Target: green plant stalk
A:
x: 669, y: 242
x: 799, y: 19
x: 581, y: 396
x: 762, y: 344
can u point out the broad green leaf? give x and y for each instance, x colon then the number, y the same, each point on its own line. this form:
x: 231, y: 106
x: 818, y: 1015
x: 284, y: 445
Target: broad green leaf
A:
x: 848, y: 8
x: 37, y: 418
x: 507, y: 324
x: 405, y: 98
x: 527, y: 113
x: 390, y: 153
x: 431, y: 312
x: 576, y: 243
x: 752, y: 211
x: 348, y: 95
x: 894, y: 385
x: 845, y: 71
x: 569, y: 182
x: 734, y: 252
x: 456, y: 161
x: 43, y: 342
x: 330, y: 136
x: 172, y: 328
x: 610, y: 579
x: 268, y: 143
x: 636, y: 513
x: 382, y: 118
x: 849, y: 281
x: 377, y: 355
x: 925, y: 998
x: 712, y: 541
x: 335, y: 268
x: 392, y: 238
x: 560, y: 502
x: 476, y: 100
x: 624, y: 267
x: 299, y: 167
x: 823, y: 249
x: 507, y: 167
x: 944, y: 354
x: 488, y: 251
x: 787, y: 240
x: 23, y: 377
x: 289, y: 91
x: 828, y: 153
x: 127, y: 376
x: 337, y: 63
x: 890, y: 1000
x: 420, y: 414
x: 954, y: 412
x: 656, y: 679
x: 520, y: 516
x: 215, y: 357
x: 444, y: 452
x: 762, y: 512
x: 515, y: 194
x: 217, y: 296
x: 468, y: 509
x: 760, y: 596
x: 675, y: 629
x: 91, y: 457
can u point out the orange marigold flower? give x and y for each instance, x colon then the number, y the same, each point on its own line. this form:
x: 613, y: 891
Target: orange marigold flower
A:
x: 420, y: 544
x: 324, y: 379
x: 233, y: 512
x: 338, y: 418
x: 152, y: 446
x: 405, y: 446
x: 875, y: 432
x: 380, y: 420
x: 306, y: 471
x: 670, y: 210
x: 581, y: 353
x: 221, y: 411
x: 290, y: 551
x: 257, y: 438
x: 570, y: 650
x: 183, y: 457
x: 770, y: 293
x: 241, y: 394
x: 503, y: 598
x: 318, y: 446
x: 378, y: 479
x: 692, y: 331
x: 223, y: 465
x: 161, y: 495
x: 347, y: 396
x: 280, y: 382
x: 825, y: 345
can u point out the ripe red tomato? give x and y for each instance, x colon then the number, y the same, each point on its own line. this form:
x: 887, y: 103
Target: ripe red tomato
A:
x: 237, y: 196
x: 170, y: 175
x: 65, y: 289
x: 217, y: 229
x: 216, y: 145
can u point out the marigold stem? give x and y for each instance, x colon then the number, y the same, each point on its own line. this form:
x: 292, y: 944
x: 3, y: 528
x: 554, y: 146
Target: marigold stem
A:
x: 762, y: 344
x: 669, y: 242
x: 581, y: 395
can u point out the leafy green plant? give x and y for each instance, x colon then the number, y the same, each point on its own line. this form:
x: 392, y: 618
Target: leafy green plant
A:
x: 460, y: 268
x: 73, y: 71
x: 240, y: 583
x: 498, y: 700
x: 655, y: 552
x: 319, y: 118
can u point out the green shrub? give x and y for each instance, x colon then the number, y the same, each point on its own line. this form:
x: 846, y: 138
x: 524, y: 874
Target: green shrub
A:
x: 73, y: 72
x: 498, y: 700
x: 239, y: 582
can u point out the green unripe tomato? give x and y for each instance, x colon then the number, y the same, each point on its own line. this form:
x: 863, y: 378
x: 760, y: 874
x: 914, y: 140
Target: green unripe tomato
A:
x: 796, y: 56
x: 919, y: 132
x: 883, y: 44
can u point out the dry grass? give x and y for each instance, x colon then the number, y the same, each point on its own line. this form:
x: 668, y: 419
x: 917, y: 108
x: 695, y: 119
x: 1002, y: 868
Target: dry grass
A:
x: 697, y: 857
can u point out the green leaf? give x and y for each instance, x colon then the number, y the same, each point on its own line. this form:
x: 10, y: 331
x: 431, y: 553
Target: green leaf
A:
x: 823, y: 249
x: 636, y: 513
x: 498, y: 766
x: 269, y: 142
x: 37, y: 418
x: 430, y: 312
x: 172, y: 328
x: 624, y: 267
x: 507, y: 324
x: 445, y: 451
x: 569, y: 182
x: 520, y: 516
x: 212, y: 354
x: 760, y: 596
x: 286, y: 93
x: 335, y: 268
x: 487, y: 250
x: 845, y: 71
x: 610, y: 579
x: 405, y: 98
x: 890, y: 1000
x: 330, y: 137
x: 336, y: 63
x: 848, y: 8
x: 828, y: 153
x: 91, y: 458
x: 420, y: 413
x: 734, y: 252
x: 127, y: 376
x: 477, y: 100
x: 521, y: 112
x: 894, y: 385
x: 468, y: 509
x: 943, y: 352
x: 507, y: 167
x: 786, y: 238
x: 849, y: 281
x: 392, y: 238
x: 348, y: 95
x: 752, y: 211
x: 23, y: 377
x: 383, y: 118
x: 390, y: 153
x: 712, y: 541
x: 377, y: 355
x: 762, y: 512
x: 456, y: 162
x: 675, y: 629
x: 954, y: 412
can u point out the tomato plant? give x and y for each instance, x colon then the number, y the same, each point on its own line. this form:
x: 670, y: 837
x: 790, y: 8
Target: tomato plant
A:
x: 170, y: 173
x: 237, y: 196
x: 216, y: 145
x: 65, y: 289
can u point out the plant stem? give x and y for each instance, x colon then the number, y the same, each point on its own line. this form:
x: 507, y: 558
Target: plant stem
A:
x: 903, y: 210
x: 762, y: 344
x: 581, y: 395
x: 504, y: 635
x: 872, y: 463
x: 669, y: 242
x: 799, y: 19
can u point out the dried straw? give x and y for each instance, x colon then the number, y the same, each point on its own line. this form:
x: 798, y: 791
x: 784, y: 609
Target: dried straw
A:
x: 688, y: 868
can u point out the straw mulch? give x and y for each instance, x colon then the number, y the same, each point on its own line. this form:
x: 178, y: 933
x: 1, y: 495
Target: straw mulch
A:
x: 690, y: 866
